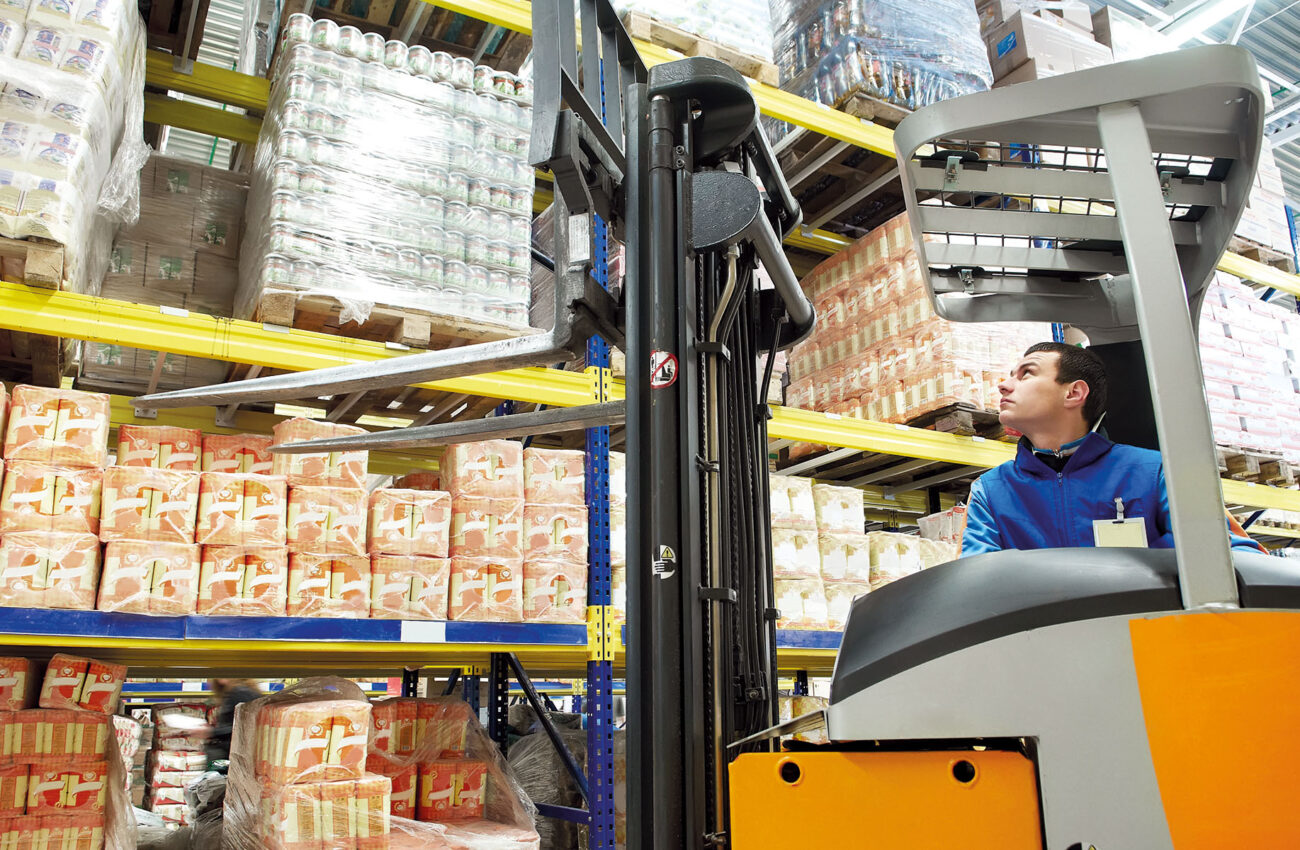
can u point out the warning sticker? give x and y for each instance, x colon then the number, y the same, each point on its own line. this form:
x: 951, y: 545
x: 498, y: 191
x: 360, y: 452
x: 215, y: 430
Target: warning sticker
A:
x: 663, y: 369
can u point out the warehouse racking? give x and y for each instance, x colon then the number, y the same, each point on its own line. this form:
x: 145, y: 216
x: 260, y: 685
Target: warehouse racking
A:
x: 902, y: 462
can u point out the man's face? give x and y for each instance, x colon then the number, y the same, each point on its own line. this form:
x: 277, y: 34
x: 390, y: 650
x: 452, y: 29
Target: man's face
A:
x: 1031, y: 397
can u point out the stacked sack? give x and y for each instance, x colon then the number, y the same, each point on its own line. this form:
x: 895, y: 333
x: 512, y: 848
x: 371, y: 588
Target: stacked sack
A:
x: 329, y: 565
x: 486, y: 481
x: 62, y: 781
x: 56, y: 447
x: 149, y: 515
x: 409, y: 537
x: 176, y: 758
x: 895, y: 555
x: 555, y: 536
x: 445, y: 770
x: 818, y: 550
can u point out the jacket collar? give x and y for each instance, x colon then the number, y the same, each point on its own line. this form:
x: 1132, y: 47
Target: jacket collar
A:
x: 1088, y: 451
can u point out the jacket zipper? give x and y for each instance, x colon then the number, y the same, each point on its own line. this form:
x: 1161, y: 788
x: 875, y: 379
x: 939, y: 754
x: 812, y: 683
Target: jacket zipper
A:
x: 1060, y: 505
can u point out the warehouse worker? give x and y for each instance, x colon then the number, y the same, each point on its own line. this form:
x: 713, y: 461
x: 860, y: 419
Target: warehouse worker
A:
x: 1068, y: 483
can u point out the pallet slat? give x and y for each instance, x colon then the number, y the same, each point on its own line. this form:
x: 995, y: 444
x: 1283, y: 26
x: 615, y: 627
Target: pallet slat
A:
x: 646, y: 28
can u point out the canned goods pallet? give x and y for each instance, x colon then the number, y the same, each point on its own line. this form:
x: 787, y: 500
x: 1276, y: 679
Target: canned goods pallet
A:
x: 647, y: 28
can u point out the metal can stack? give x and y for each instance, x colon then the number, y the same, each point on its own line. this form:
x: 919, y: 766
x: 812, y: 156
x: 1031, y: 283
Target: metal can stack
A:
x: 390, y: 175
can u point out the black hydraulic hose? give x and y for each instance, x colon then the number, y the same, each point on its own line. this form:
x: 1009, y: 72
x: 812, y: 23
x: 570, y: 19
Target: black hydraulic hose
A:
x: 538, y: 256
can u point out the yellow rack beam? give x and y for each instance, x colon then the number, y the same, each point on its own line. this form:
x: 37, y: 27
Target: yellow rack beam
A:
x: 208, y: 81
x: 170, y: 112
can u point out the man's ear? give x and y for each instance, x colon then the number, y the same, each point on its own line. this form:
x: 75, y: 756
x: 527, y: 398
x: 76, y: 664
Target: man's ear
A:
x: 1076, y: 394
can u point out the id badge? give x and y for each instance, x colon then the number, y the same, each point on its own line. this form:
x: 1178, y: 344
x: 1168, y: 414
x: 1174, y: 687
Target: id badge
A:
x: 1125, y: 533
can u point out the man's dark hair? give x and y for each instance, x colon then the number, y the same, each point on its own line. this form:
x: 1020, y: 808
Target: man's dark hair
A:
x: 1079, y: 364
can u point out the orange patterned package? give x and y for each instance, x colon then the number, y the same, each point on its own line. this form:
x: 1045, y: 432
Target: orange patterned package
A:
x: 487, y: 528
x: 58, y: 790
x: 410, y: 522
x: 81, y: 683
x: 488, y: 589
x: 490, y: 469
x: 64, y: 427
x: 451, y: 790
x: 317, y: 740
x: 143, y: 503
x: 247, y: 581
x: 327, y: 519
x: 329, y: 586
x: 18, y: 685
x: 554, y: 477
x: 73, y: 832
x: 409, y: 587
x: 555, y: 591
x: 241, y: 510
x: 159, y: 447
x: 237, y: 453
x: 40, y: 569
x: 43, y: 497
x: 150, y: 578
x: 333, y: 469
x: 392, y: 725
x: 556, y: 532
x: 13, y: 790
x: 418, y: 481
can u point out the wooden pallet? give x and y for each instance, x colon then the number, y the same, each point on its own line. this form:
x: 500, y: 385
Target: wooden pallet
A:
x: 1262, y: 254
x: 966, y: 420
x: 34, y: 261
x: 1258, y: 467
x: 874, y: 109
x: 416, y: 328
x: 167, y: 23
x: 646, y: 28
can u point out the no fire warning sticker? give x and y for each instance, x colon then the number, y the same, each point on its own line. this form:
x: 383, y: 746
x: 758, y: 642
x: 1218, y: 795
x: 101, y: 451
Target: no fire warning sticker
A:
x: 663, y: 369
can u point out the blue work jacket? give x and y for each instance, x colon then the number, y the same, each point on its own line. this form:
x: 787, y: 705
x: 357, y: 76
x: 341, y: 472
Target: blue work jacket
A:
x: 1025, y: 504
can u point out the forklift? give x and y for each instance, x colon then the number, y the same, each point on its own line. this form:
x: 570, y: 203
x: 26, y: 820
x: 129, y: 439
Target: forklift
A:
x: 1090, y: 698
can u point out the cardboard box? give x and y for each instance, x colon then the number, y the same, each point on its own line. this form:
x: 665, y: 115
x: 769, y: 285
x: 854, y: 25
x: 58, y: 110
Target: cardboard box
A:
x: 42, y: 569
x: 215, y: 231
x: 176, y: 177
x: 329, y: 586
x: 169, y: 267
x: 557, y: 532
x: 250, y: 581
x: 487, y: 528
x: 554, y: 477
x: 492, y: 469
x: 214, y: 273
x: 150, y: 578
x: 1127, y: 37
x: 1058, y: 50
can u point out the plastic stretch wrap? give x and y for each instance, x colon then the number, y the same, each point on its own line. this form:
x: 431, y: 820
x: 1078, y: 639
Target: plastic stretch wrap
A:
x: 409, y: 587
x: 329, y: 586
x: 43, y: 569
x: 159, y: 447
x: 487, y: 528
x: 554, y: 477
x: 880, y: 352
x: 792, y: 502
x: 617, y: 478
x: 743, y: 24
x: 250, y: 581
x: 410, y: 522
x: 19, y: 684
x: 489, y: 589
x: 490, y: 469
x: 618, y: 534
x: 143, y: 503
x: 72, y: 142
x: 543, y: 776
x: 402, y: 180
x: 845, y: 557
x: 141, y: 577
x: 180, y: 728
x: 908, y: 53
x: 555, y: 591
x: 42, y: 497
x: 839, y: 598
x: 237, y: 453
x: 802, y: 603
x: 464, y: 792
x: 555, y: 532
x: 241, y: 510
x: 72, y: 682
x: 62, y: 427
x: 418, y: 481
x: 795, y: 554
x: 327, y: 519
x: 790, y: 707
x: 839, y: 509
x: 332, y: 469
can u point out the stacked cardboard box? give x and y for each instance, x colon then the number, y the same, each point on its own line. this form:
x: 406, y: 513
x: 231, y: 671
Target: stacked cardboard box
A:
x: 176, y: 758
x: 1264, y: 221
x: 1026, y: 42
x: 1250, y: 356
x: 182, y: 253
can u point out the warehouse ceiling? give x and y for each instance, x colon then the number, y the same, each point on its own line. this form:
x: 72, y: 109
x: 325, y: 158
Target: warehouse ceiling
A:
x: 1269, y: 29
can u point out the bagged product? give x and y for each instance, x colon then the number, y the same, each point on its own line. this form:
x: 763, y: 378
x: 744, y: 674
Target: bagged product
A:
x: 490, y: 469
x: 42, y: 497
x: 556, y: 532
x: 839, y: 598
x: 893, y: 556
x: 250, y: 581
x: 618, y: 534
x: 802, y: 603
x: 159, y: 447
x: 329, y: 585
x: 555, y: 591
x: 486, y: 589
x: 81, y: 683
x: 486, y: 528
x: 795, y: 554
x: 327, y: 519
x: 839, y: 509
x: 18, y: 684
x: 409, y: 587
x: 241, y: 510
x: 410, y: 522
x: 40, y: 569
x: 312, y: 740
x: 617, y: 478
x: 845, y: 557
x: 237, y: 453
x: 75, y: 789
x: 331, y: 469
x: 62, y: 427
x: 555, y: 477
x: 144, y: 503
x: 792, y: 502
x: 150, y: 578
